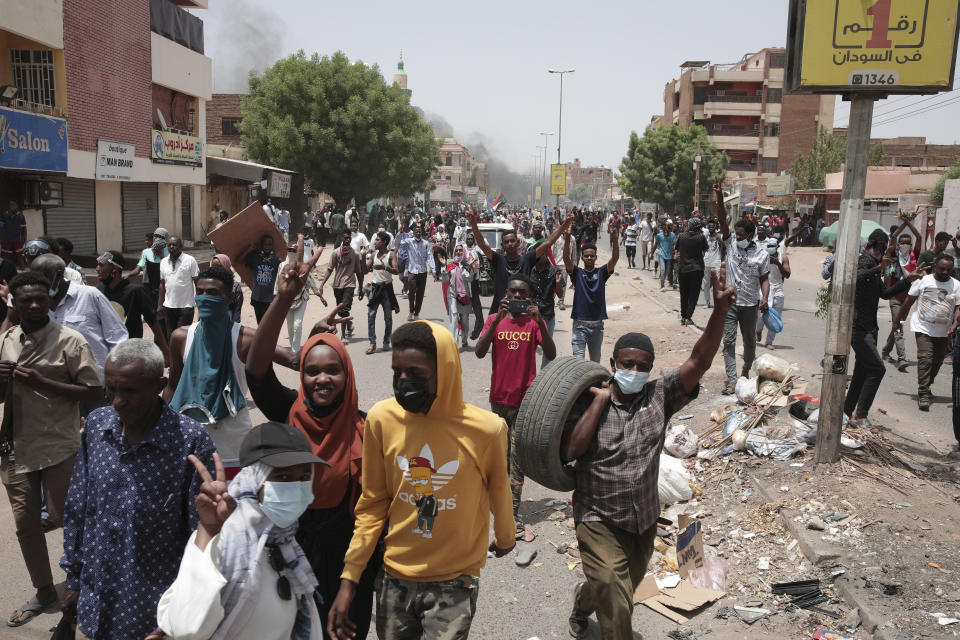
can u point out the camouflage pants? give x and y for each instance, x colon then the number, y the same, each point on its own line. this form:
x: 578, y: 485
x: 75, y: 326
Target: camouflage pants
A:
x: 426, y: 610
x: 509, y: 414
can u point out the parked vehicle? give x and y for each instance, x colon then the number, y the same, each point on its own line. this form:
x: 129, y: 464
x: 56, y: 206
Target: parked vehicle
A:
x: 491, y: 233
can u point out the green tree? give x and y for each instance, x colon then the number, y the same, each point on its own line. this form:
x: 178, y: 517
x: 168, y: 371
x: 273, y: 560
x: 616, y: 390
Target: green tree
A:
x: 936, y: 193
x: 580, y: 194
x: 875, y: 158
x: 658, y: 167
x: 339, y: 124
x: 826, y: 156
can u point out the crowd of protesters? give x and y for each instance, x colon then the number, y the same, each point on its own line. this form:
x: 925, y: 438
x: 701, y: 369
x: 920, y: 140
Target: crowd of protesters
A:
x: 183, y: 519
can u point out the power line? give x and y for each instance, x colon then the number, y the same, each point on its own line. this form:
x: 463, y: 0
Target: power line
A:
x: 928, y: 109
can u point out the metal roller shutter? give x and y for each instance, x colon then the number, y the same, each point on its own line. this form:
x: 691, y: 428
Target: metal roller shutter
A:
x: 77, y: 218
x: 140, y: 213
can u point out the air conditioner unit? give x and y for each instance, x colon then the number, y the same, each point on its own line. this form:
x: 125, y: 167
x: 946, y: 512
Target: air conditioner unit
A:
x: 42, y: 193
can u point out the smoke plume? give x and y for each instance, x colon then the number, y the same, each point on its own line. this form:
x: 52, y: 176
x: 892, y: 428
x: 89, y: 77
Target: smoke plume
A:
x: 249, y: 38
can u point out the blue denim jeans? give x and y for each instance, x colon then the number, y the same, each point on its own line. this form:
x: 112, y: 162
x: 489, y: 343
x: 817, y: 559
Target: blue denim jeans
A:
x: 551, y: 323
x: 585, y: 338
x: 380, y: 301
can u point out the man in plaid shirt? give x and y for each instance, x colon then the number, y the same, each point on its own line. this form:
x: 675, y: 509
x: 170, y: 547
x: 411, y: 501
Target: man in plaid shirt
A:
x: 617, y: 444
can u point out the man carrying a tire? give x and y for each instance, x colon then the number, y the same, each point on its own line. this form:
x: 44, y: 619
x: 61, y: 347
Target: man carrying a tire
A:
x: 617, y: 444
x: 514, y: 332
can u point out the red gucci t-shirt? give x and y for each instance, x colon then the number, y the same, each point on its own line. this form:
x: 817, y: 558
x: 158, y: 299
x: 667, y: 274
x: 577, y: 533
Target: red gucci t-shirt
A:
x: 514, y: 348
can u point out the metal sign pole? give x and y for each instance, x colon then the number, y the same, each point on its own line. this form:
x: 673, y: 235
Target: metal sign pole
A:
x: 847, y: 250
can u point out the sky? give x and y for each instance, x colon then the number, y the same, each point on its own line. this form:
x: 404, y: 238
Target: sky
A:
x: 482, y: 66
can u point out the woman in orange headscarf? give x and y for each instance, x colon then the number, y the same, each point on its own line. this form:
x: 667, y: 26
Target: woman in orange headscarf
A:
x: 326, y: 409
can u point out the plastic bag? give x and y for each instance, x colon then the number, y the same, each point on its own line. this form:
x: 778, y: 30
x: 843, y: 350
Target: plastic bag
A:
x: 673, y: 484
x: 736, y: 419
x: 712, y: 575
x: 771, y: 367
x: 772, y: 320
x: 681, y: 441
x: 747, y: 390
x: 776, y: 448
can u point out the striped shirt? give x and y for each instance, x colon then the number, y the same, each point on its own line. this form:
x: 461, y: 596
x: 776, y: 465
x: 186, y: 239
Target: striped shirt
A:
x: 419, y: 255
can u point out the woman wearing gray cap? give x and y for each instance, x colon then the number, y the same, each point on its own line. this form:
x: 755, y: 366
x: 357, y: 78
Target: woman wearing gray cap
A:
x: 243, y: 576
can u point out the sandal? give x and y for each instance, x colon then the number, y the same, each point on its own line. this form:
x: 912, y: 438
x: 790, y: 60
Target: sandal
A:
x: 34, y: 609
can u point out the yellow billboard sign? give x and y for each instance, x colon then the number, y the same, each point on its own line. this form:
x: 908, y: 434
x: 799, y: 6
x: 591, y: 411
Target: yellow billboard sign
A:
x: 872, y: 46
x: 558, y: 179
x: 539, y: 193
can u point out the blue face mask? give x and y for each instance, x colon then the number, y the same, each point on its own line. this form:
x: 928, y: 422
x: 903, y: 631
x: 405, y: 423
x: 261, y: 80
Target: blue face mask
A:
x: 285, y: 502
x: 211, y: 306
x: 630, y: 382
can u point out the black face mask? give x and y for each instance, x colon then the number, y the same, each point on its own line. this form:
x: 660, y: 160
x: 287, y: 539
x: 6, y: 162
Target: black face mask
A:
x: 413, y: 394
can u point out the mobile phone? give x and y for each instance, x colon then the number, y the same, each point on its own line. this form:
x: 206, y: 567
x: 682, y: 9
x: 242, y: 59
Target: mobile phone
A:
x: 517, y: 306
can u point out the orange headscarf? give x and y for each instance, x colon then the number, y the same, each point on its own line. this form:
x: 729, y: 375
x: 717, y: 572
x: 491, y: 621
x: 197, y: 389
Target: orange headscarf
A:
x: 337, y: 437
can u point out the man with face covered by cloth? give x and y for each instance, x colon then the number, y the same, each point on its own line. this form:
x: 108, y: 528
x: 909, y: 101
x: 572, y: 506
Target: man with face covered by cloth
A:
x: 617, y: 444
x: 434, y: 469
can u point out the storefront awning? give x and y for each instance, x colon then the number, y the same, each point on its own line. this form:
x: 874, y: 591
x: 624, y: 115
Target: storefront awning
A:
x: 240, y: 169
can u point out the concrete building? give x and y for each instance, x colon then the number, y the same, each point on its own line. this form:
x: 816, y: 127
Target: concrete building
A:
x: 116, y: 90
x: 600, y: 179
x: 400, y: 77
x: 233, y: 179
x: 457, y: 174
x: 913, y: 151
x: 746, y: 112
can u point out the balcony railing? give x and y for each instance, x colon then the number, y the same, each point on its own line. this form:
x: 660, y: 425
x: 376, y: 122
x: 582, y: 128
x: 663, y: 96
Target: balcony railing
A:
x: 33, y: 107
x: 718, y: 131
x: 752, y: 99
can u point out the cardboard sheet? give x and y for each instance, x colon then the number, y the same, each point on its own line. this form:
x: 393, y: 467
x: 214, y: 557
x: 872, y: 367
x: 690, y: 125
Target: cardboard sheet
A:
x: 689, y: 544
x: 674, y: 603
x: 236, y: 234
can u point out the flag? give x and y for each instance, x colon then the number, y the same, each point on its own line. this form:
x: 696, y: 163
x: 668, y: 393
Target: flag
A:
x: 486, y: 203
x: 463, y: 201
x: 497, y: 202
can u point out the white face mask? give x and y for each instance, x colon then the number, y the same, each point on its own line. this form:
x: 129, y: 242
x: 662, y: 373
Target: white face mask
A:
x: 743, y: 244
x: 285, y: 502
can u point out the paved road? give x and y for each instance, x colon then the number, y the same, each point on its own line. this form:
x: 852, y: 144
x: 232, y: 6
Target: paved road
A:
x: 518, y: 603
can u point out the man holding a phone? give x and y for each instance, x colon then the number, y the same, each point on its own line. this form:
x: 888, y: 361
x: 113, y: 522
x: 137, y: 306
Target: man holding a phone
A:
x: 514, y: 332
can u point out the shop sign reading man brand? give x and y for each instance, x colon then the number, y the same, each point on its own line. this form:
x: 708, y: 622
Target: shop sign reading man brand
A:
x: 874, y: 46
x: 176, y: 148
x: 115, y: 161
x: 32, y: 141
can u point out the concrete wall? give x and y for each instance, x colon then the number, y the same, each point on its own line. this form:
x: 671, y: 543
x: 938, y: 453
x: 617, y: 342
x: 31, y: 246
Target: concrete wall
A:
x: 109, y: 215
x: 39, y: 20
x: 222, y: 105
x: 176, y: 67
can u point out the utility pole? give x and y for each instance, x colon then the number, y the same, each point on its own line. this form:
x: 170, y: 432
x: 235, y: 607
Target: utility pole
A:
x: 840, y: 318
x: 543, y: 184
x: 696, y: 186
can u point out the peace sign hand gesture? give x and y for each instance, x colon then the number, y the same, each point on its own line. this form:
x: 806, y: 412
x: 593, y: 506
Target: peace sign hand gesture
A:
x: 294, y: 276
x: 724, y: 295
x: 214, y: 504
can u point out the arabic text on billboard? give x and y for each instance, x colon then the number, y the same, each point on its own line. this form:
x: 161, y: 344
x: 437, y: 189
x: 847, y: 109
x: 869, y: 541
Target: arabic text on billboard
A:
x: 176, y: 148
x: 888, y: 46
x: 32, y: 141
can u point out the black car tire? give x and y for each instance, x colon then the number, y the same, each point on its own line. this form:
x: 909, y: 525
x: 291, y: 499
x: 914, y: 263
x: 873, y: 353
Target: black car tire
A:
x: 552, y: 405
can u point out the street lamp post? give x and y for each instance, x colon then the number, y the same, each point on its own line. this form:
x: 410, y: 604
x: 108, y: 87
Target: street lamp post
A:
x: 560, y: 120
x: 546, y: 143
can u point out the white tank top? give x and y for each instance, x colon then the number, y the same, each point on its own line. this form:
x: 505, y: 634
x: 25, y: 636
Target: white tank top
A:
x: 228, y: 433
x: 381, y: 276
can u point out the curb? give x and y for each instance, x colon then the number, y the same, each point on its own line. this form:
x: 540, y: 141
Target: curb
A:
x: 819, y: 553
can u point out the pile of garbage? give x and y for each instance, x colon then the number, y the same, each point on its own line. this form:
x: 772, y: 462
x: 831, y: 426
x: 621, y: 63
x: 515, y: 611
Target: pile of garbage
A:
x: 758, y: 424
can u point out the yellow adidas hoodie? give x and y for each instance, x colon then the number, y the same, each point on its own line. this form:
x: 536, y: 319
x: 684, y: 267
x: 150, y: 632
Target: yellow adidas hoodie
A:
x: 436, y: 478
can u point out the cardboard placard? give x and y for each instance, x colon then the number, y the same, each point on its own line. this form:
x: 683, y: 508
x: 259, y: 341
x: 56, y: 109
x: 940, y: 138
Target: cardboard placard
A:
x: 689, y: 545
x: 235, y: 235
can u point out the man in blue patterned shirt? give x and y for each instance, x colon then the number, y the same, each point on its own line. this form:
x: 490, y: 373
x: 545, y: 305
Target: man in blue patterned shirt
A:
x: 130, y: 509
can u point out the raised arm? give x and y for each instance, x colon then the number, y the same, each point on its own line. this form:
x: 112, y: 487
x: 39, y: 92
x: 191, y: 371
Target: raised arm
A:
x: 615, y: 255
x: 567, y: 260
x: 259, y: 348
x: 481, y: 241
x: 706, y: 346
x: 543, y: 247
x: 720, y: 210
